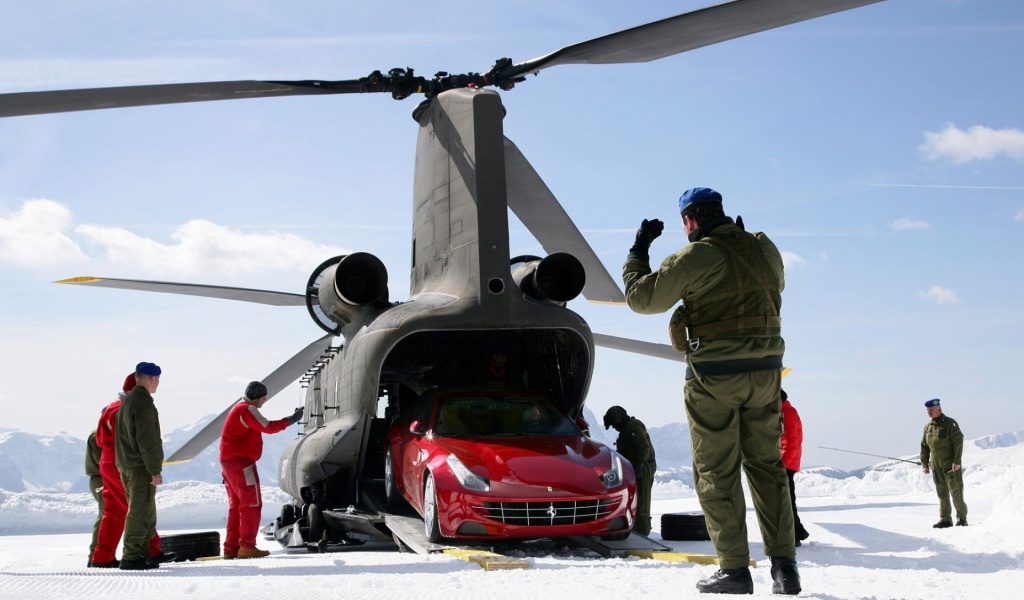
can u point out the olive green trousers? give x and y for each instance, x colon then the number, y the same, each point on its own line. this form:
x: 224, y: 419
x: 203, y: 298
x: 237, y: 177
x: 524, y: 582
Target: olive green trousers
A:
x: 949, y: 484
x: 140, y: 522
x: 644, y: 483
x: 735, y: 421
x: 96, y: 489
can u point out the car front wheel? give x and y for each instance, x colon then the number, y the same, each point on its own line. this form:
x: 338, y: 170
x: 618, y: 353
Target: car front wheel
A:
x: 430, y: 523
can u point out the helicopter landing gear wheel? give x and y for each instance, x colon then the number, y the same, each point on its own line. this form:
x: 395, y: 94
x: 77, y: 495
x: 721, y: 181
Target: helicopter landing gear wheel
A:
x: 317, y: 529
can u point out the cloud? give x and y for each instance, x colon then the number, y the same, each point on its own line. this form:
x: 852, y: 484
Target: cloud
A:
x: 977, y: 143
x: 40, y: 234
x: 204, y: 247
x: 910, y: 224
x: 1019, y: 216
x: 792, y: 260
x: 36, y: 236
x: 941, y: 295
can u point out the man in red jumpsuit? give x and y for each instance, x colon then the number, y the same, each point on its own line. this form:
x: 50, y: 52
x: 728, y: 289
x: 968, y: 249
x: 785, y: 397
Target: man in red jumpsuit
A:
x: 115, y: 500
x: 792, y: 451
x: 241, y: 445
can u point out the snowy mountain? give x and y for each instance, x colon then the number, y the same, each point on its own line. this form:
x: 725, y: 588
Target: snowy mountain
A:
x: 56, y: 463
x: 31, y: 462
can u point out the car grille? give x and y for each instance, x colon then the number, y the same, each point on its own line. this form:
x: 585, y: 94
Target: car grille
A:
x: 546, y: 513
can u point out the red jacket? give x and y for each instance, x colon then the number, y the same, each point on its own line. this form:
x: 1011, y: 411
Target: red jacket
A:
x: 242, y: 436
x: 792, y: 437
x: 106, y: 431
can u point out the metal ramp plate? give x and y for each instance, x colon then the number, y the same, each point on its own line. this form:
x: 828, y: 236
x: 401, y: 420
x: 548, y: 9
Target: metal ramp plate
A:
x: 408, y: 531
x: 609, y: 548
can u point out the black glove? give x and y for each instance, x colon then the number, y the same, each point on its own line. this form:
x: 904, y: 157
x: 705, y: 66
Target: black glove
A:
x: 295, y: 416
x: 648, y: 232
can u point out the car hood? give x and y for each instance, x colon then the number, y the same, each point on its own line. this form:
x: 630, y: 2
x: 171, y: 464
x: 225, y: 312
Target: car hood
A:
x: 532, y: 460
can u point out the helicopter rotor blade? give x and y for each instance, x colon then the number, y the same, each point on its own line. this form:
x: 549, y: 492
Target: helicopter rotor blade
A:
x: 643, y: 43
x: 281, y: 378
x: 639, y: 347
x: 191, y: 289
x: 688, y: 31
x: 39, y: 103
x: 539, y: 210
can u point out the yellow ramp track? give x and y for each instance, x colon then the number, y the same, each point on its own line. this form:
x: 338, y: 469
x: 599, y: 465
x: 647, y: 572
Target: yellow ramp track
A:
x: 488, y: 560
x: 677, y: 557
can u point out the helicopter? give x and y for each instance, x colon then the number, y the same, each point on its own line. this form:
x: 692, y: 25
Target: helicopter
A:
x: 467, y: 290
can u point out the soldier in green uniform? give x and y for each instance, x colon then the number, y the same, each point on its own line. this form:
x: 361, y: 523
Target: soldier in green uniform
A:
x: 635, y: 445
x: 139, y: 452
x: 92, y: 469
x: 730, y: 283
x: 943, y: 445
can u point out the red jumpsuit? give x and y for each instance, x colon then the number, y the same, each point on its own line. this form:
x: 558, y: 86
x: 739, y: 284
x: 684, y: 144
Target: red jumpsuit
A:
x: 115, y: 500
x: 241, y: 445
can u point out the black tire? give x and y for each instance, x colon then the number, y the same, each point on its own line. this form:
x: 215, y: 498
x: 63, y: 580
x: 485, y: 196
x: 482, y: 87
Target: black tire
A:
x: 317, y: 525
x: 689, y: 527
x: 289, y: 515
x: 190, y: 546
x: 431, y: 528
x: 392, y: 497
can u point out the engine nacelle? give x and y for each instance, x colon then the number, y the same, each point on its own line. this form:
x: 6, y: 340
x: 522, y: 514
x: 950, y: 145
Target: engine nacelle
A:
x: 557, y: 278
x: 341, y: 287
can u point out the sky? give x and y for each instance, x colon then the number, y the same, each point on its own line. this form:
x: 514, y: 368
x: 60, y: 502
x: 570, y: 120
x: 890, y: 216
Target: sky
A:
x: 880, y: 148
x: 870, y: 537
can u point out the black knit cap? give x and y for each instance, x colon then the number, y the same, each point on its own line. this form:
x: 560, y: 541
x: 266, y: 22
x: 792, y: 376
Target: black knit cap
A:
x: 255, y: 390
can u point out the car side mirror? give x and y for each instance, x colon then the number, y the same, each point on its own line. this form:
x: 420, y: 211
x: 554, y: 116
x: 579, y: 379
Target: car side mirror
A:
x: 417, y: 428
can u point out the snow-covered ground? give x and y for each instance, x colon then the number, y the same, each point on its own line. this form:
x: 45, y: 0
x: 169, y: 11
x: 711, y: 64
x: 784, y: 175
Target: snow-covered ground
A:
x: 871, y: 537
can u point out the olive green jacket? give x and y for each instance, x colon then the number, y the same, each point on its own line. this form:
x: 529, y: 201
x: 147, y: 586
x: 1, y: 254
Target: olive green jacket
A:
x: 138, y: 443
x: 634, y: 444
x: 689, y: 275
x: 92, y: 455
x: 942, y: 443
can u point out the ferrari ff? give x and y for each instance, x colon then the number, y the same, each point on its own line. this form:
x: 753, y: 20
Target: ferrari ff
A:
x: 505, y: 464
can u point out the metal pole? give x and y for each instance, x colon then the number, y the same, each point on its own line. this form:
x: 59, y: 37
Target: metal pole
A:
x: 913, y: 462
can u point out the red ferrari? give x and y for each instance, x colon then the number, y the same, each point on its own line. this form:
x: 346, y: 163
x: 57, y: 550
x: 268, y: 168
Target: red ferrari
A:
x: 505, y: 464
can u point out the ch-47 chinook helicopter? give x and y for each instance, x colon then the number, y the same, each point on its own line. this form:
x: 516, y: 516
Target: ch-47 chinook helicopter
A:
x: 467, y: 291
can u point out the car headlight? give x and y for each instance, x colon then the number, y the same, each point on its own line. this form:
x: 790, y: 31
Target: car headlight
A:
x: 613, y: 476
x: 468, y: 479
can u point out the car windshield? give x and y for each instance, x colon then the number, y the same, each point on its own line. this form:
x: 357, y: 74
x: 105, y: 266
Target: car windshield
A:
x: 500, y: 415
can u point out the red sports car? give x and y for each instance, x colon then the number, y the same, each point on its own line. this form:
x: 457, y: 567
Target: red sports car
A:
x: 485, y: 464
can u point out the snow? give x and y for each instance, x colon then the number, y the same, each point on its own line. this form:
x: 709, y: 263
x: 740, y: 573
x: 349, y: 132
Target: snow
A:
x: 871, y: 537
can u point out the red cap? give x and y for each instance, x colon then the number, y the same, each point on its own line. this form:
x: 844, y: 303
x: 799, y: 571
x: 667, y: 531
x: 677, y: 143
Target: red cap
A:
x: 129, y: 383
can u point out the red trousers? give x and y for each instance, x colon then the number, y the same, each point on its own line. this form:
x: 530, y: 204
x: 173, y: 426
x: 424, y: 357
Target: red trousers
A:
x: 245, y: 504
x: 115, y: 507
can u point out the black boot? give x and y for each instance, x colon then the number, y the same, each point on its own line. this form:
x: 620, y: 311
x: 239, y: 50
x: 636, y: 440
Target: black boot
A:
x: 785, y: 576
x: 943, y: 524
x: 961, y: 522
x: 137, y: 564
x: 727, y: 581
